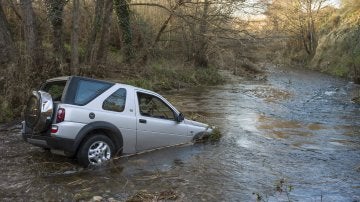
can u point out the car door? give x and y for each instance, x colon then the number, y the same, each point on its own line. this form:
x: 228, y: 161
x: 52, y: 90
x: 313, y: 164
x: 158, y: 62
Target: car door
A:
x: 156, y: 125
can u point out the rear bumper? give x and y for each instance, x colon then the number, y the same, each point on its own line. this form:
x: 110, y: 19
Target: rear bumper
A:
x: 65, y: 143
x: 55, y: 143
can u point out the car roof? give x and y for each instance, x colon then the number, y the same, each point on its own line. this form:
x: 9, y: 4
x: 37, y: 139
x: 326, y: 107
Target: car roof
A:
x: 65, y: 78
x: 61, y: 78
x: 135, y: 88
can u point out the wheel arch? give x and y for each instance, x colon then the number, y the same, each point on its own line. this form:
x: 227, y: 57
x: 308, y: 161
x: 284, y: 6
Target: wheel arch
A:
x: 106, y: 128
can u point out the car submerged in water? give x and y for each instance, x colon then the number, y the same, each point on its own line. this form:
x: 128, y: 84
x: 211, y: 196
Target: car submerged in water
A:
x: 94, y: 120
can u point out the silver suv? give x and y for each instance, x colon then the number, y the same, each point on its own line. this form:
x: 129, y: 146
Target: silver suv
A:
x: 95, y: 120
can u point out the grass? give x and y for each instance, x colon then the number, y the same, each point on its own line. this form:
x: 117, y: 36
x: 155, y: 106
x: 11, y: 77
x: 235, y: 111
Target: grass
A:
x: 339, y: 49
x: 340, y: 71
x: 6, y: 112
x: 168, y: 75
x: 215, y: 135
x: 158, y: 75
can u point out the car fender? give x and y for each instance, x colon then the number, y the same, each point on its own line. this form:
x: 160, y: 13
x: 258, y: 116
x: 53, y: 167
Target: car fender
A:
x: 111, y: 131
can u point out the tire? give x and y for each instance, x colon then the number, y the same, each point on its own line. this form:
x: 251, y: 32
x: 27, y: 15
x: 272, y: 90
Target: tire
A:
x: 39, y: 111
x: 96, y: 150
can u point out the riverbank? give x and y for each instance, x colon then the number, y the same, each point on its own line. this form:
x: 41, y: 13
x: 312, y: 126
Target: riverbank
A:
x: 158, y: 76
x: 338, y: 51
x: 166, y: 75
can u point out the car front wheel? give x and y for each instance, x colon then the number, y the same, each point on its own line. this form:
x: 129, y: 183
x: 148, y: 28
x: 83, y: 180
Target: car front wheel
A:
x: 96, y: 150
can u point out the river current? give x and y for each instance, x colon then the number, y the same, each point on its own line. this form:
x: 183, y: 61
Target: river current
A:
x: 294, y: 136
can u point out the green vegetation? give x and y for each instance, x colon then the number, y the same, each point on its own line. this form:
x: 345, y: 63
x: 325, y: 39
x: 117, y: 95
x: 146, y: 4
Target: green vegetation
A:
x: 6, y: 112
x: 215, y: 135
x: 157, y: 45
x: 164, y: 77
x: 323, y: 38
x: 338, y: 52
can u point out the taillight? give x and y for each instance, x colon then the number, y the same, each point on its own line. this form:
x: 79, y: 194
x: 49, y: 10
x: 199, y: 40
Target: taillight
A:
x: 60, y: 116
x: 54, y: 129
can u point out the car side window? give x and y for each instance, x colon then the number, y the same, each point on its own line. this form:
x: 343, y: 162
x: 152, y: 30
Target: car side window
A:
x: 116, y: 101
x: 88, y: 90
x: 153, y: 106
x: 55, y: 89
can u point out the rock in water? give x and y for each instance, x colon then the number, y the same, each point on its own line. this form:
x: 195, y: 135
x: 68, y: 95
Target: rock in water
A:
x: 97, y: 198
x: 356, y: 100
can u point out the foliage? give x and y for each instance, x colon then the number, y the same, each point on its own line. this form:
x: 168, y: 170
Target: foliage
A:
x: 298, y: 20
x: 339, y: 45
x: 336, y: 36
x: 168, y: 75
x: 44, y: 39
x: 6, y: 112
x: 215, y: 135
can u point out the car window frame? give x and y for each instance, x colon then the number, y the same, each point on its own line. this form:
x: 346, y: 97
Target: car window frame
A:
x: 162, y: 100
x: 45, y: 85
x: 126, y: 94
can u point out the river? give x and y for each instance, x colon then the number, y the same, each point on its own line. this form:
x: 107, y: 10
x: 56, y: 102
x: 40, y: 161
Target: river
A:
x: 294, y: 136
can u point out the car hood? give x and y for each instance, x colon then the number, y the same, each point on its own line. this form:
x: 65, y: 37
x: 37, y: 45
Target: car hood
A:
x: 195, y: 123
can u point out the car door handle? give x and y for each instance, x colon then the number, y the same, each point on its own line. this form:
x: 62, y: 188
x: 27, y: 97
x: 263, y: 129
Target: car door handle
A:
x: 142, y: 120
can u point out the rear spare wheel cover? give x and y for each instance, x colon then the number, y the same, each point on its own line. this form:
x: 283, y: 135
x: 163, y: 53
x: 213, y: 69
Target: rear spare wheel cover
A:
x: 32, y: 111
x: 39, y: 111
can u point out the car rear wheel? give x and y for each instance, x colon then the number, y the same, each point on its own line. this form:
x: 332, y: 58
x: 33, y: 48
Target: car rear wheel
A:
x: 96, y: 150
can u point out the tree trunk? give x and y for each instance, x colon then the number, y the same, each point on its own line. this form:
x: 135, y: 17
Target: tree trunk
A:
x: 309, y: 33
x: 165, y: 24
x: 105, y: 30
x: 90, y: 47
x: 32, y: 40
x: 201, y: 59
x: 123, y: 13
x: 55, y: 10
x: 8, y: 52
x: 75, y: 38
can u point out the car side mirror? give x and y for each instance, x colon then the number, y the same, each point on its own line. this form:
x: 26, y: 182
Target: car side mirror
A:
x: 180, y: 117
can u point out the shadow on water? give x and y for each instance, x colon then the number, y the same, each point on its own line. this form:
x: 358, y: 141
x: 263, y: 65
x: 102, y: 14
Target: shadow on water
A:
x: 293, y: 137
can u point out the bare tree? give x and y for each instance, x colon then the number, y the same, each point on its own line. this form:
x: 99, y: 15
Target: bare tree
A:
x: 190, y: 25
x: 8, y: 52
x: 98, y: 38
x: 297, y: 19
x: 104, y: 35
x: 95, y: 29
x: 166, y: 23
x: 201, y: 59
x: 32, y: 40
x: 75, y: 38
x: 307, y: 23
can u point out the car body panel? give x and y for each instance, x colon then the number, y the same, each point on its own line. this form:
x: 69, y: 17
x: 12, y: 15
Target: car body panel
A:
x: 68, y: 129
x: 135, y: 135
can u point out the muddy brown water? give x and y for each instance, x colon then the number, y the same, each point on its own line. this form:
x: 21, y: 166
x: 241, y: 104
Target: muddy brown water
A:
x: 293, y: 137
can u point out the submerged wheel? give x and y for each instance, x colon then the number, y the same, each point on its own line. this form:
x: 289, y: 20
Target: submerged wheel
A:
x: 96, y: 150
